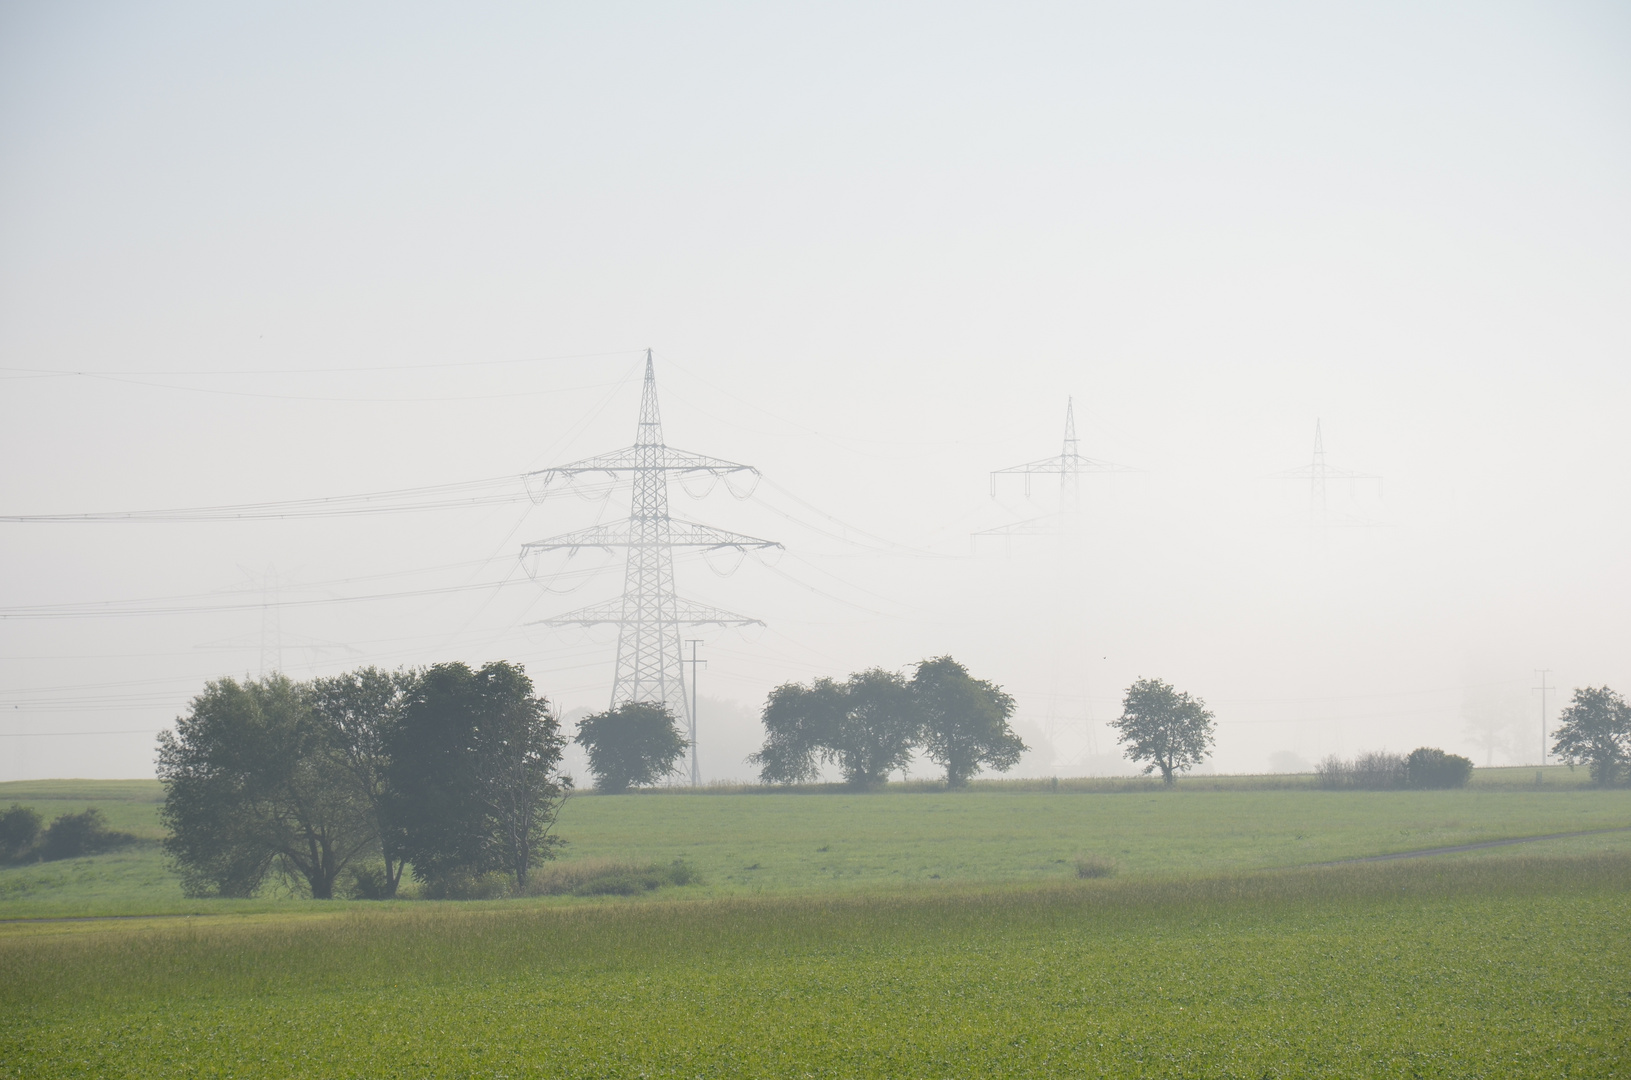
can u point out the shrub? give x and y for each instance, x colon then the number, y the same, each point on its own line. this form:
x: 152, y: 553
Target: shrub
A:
x: 71, y: 836
x: 464, y: 885
x: 19, y: 832
x: 1376, y: 771
x: 1095, y: 866
x: 609, y: 877
x: 1429, y: 767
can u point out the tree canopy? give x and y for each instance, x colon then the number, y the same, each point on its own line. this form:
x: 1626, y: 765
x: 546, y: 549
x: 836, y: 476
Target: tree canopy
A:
x: 471, y: 776
x: 1595, y: 730
x: 635, y: 744
x: 871, y: 724
x: 1167, y: 730
x: 964, y: 720
x: 253, y: 780
x: 450, y: 769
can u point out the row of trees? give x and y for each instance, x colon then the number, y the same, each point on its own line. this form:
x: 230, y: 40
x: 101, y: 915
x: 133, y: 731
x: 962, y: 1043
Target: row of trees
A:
x: 450, y: 770
x: 871, y: 724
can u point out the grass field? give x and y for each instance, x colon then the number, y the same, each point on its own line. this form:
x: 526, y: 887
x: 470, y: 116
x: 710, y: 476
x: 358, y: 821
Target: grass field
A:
x: 835, y: 841
x: 912, y: 932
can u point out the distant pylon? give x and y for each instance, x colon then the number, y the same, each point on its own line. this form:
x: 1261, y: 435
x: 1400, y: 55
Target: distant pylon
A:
x: 1068, y: 465
x: 1317, y: 473
x: 650, y: 665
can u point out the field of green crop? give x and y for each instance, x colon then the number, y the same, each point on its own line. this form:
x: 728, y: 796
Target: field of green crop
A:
x: 1517, y: 966
x: 911, y: 932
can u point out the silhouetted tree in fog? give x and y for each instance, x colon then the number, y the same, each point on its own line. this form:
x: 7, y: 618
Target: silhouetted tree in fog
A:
x: 1167, y: 730
x: 1595, y: 730
x: 964, y: 720
x: 635, y: 744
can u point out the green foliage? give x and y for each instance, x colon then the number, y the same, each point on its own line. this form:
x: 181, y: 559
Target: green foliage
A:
x: 471, y: 779
x: 1428, y: 767
x: 1378, y: 770
x: 1506, y: 968
x: 360, y: 709
x: 635, y: 744
x: 799, y: 722
x: 1595, y: 730
x: 1167, y: 730
x: 870, y: 724
x: 252, y: 778
x: 72, y: 836
x: 964, y: 720
x: 19, y: 832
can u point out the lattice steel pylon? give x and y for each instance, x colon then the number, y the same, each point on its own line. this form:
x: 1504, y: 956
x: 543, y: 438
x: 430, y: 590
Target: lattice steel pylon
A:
x: 649, y: 615
x: 1068, y: 465
x: 1319, y: 473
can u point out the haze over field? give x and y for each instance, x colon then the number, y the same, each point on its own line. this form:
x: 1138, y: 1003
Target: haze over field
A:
x: 271, y: 254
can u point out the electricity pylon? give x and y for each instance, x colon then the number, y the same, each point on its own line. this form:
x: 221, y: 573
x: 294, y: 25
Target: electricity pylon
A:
x: 650, y: 666
x: 1317, y: 473
x: 1068, y: 465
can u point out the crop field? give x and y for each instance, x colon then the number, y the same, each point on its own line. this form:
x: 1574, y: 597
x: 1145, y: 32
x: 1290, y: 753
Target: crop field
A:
x: 1518, y: 966
x: 903, y: 933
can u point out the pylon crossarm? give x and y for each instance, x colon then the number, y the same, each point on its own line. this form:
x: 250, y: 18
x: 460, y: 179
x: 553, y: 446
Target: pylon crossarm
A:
x: 692, y: 534
x: 685, y: 613
x: 681, y: 534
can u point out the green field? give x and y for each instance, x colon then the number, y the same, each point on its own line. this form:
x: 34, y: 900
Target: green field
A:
x: 912, y: 932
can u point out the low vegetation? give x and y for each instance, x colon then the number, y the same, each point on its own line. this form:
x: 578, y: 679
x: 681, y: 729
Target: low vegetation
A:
x: 1424, y: 769
x: 1478, y: 967
x: 24, y: 836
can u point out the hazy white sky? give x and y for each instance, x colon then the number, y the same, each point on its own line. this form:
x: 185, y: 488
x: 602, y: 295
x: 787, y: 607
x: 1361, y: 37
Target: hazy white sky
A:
x: 265, y: 252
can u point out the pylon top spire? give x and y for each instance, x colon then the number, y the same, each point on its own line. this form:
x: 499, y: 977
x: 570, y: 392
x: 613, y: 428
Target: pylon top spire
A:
x: 650, y: 432
x: 1071, y: 450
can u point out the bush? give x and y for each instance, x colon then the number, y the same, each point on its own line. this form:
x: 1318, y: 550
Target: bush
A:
x: 1095, y: 866
x: 463, y: 885
x: 1376, y: 771
x: 609, y: 877
x: 19, y: 832
x: 71, y: 836
x: 1428, y: 767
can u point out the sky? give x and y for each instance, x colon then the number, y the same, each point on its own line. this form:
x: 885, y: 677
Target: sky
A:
x: 266, y: 253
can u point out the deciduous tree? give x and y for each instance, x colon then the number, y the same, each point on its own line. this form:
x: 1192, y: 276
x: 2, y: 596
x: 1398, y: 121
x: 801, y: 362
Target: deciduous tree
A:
x: 472, y: 779
x: 635, y: 744
x: 1595, y: 730
x: 964, y: 720
x: 1167, y: 730
x: 251, y: 780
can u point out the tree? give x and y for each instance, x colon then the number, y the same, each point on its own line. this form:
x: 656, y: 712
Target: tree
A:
x: 635, y: 744
x: 470, y: 779
x: 1168, y: 730
x: 800, y: 721
x: 866, y: 725
x: 876, y: 730
x: 1595, y: 730
x: 253, y: 780
x: 964, y: 720
x: 19, y: 832
x: 1430, y: 767
x: 360, y: 708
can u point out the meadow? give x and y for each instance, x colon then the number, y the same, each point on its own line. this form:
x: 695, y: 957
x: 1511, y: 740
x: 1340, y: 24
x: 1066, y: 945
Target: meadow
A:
x: 751, y: 843
x: 910, y: 932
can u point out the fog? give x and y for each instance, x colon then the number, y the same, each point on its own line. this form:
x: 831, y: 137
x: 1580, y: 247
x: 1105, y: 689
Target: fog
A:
x: 281, y: 252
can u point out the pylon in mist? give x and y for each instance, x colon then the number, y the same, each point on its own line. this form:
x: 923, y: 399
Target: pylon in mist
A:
x: 650, y: 615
